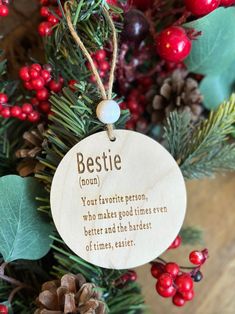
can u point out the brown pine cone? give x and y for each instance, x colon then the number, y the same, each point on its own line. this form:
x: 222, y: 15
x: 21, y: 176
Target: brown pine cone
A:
x: 70, y: 295
x: 32, y: 147
x: 177, y: 92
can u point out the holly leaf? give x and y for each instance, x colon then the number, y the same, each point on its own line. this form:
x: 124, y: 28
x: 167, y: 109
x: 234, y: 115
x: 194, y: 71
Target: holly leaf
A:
x: 214, y: 50
x: 218, y: 87
x: 24, y: 233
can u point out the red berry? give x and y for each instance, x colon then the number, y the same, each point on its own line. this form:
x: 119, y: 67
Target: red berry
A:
x: 172, y: 268
x: 3, y: 309
x: 34, y: 101
x: 227, y: 3
x: 45, y: 29
x: 46, y: 75
x: 157, y: 269
x: 71, y: 84
x: 165, y: 293
x: 3, y: 98
x: 34, y: 74
x: 6, y: 113
x: 55, y: 86
x: 124, y: 278
x: 104, y: 66
x: 42, y: 94
x: 38, y: 83
x: 45, y: 106
x: 24, y: 73
x: 102, y: 74
x: 22, y: 116
x: 130, y: 125
x: 178, y: 300
x: 188, y: 296
x: 93, y: 79
x: 173, y: 44
x: 36, y: 66
x: 201, y: 7
x: 4, y: 11
x: 100, y: 55
x: 15, y: 111
x: 1, y: 107
x: 89, y: 65
x: 58, y: 12
x: 184, y: 283
x: 133, y: 106
x: 165, y: 280
x: 27, y: 108
x: 53, y: 19
x: 44, y: 11
x: 112, y: 2
x: 176, y: 243
x: 123, y: 105
x: 28, y: 85
x: 132, y: 275
x: 196, y: 258
x: 34, y: 116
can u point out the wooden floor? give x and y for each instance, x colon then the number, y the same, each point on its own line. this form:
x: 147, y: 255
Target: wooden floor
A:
x: 211, y: 206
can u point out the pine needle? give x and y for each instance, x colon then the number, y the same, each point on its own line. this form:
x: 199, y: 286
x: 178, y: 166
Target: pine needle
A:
x: 204, y: 149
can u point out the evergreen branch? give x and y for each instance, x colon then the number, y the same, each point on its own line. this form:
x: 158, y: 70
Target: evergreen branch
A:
x: 204, y: 150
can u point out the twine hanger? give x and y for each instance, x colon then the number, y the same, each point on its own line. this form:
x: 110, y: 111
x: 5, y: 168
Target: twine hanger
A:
x: 105, y: 95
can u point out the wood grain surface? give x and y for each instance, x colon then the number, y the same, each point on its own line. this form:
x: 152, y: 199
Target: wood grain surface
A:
x: 211, y: 207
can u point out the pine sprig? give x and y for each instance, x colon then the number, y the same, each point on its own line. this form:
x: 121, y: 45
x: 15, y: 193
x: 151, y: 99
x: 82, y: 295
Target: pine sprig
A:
x: 205, y: 149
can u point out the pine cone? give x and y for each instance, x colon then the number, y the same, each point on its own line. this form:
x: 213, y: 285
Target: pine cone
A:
x: 32, y: 147
x: 70, y: 295
x: 177, y: 92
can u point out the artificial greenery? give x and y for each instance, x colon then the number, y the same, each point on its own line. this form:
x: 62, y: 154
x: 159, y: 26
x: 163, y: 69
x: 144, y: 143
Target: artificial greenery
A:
x: 204, y: 149
x: 212, y: 55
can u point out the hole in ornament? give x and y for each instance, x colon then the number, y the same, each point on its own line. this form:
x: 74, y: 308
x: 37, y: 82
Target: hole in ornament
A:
x: 113, y: 139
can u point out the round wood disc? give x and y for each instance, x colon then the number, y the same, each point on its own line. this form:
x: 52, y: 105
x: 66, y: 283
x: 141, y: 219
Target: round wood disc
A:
x: 118, y: 204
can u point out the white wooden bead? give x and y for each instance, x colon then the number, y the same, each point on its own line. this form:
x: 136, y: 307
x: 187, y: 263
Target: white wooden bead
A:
x: 108, y: 111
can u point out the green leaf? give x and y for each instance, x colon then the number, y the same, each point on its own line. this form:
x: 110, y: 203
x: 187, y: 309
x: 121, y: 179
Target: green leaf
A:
x: 214, y: 50
x: 218, y: 88
x: 24, y: 234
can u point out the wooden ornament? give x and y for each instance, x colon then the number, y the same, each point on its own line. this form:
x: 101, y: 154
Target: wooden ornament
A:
x: 118, y: 204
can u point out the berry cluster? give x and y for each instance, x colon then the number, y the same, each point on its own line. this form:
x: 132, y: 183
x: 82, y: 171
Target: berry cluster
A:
x: 130, y: 276
x: 173, y: 282
x: 136, y: 103
x: 100, y: 60
x: 51, y: 14
x: 38, y: 80
x: 4, y: 11
x: 25, y: 112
